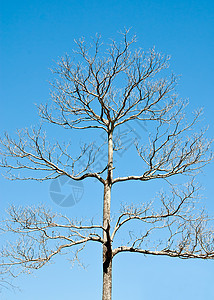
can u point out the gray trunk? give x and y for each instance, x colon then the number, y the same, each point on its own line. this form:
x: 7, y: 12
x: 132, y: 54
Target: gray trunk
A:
x: 107, y: 247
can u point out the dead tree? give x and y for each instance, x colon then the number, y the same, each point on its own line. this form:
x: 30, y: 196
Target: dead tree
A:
x: 105, y: 90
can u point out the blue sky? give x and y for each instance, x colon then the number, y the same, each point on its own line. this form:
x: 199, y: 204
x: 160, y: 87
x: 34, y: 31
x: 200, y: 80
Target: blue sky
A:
x: 33, y: 35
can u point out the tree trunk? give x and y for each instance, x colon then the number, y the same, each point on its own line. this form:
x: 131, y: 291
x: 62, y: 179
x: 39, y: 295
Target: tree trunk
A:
x: 107, y: 247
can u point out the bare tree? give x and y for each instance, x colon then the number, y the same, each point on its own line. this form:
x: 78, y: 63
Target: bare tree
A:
x: 105, y: 90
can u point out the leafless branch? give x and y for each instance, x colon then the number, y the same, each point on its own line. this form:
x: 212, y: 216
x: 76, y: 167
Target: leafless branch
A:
x: 173, y: 149
x: 31, y: 151
x: 41, y: 235
x: 184, y: 232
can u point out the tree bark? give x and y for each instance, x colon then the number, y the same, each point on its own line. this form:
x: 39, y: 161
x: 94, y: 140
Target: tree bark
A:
x: 107, y: 247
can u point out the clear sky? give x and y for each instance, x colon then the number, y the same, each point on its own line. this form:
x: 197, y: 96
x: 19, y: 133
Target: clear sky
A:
x: 33, y: 35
